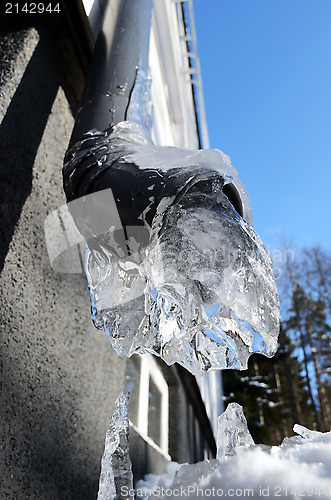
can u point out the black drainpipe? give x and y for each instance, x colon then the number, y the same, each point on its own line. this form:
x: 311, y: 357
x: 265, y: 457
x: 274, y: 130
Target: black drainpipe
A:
x: 121, y: 50
x: 122, y: 45
x: 120, y: 55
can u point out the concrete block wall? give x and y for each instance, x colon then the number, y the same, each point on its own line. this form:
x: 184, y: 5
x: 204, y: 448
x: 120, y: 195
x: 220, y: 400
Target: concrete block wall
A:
x: 59, y: 375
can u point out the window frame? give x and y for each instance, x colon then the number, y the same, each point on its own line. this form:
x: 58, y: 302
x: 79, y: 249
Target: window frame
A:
x: 149, y: 369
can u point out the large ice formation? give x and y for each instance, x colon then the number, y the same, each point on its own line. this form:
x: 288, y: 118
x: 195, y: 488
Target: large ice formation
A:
x: 232, y: 432
x: 298, y: 467
x: 174, y: 266
x: 116, y: 471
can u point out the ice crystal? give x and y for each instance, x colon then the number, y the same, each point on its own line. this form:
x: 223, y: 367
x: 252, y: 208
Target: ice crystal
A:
x: 116, y: 469
x: 174, y: 266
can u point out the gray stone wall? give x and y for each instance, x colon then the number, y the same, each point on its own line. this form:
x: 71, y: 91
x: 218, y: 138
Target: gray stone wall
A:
x: 59, y: 375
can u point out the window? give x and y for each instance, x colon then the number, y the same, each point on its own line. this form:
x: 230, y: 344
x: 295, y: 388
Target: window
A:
x: 132, y: 380
x: 149, y: 405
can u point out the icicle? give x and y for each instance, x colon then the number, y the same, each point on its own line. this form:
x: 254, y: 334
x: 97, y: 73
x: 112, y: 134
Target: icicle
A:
x: 116, y: 473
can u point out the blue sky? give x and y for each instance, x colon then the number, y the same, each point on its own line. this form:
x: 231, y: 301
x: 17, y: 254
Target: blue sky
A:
x: 266, y: 72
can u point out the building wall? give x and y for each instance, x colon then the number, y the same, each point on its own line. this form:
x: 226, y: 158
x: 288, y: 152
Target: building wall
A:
x: 174, y: 112
x: 189, y: 435
x: 57, y: 370
x: 59, y: 375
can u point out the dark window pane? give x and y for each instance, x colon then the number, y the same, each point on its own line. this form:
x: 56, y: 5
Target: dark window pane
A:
x: 154, y: 413
x: 132, y: 381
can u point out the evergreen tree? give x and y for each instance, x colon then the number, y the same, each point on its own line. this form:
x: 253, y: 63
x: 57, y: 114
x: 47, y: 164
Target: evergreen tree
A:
x: 272, y: 392
x: 309, y: 326
x: 307, y: 313
x: 295, y: 385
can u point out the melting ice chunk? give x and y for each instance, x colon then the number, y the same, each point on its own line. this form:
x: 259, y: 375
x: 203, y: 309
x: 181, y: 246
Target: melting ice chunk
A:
x: 309, y: 434
x: 116, y: 471
x: 192, y: 282
x: 232, y: 431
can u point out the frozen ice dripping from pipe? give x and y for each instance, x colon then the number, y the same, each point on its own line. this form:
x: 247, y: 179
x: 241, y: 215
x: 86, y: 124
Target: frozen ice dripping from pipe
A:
x: 181, y: 273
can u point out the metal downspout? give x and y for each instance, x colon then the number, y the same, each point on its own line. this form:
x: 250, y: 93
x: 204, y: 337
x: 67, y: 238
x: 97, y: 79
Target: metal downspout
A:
x: 122, y: 45
x: 121, y: 53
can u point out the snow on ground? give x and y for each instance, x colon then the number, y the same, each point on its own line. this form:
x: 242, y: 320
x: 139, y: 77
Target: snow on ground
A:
x: 299, y: 467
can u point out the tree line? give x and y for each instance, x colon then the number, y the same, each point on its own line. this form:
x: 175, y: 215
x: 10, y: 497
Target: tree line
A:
x: 295, y: 385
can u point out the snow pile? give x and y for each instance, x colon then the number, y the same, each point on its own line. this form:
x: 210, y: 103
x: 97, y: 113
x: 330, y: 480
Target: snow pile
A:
x: 300, y: 466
